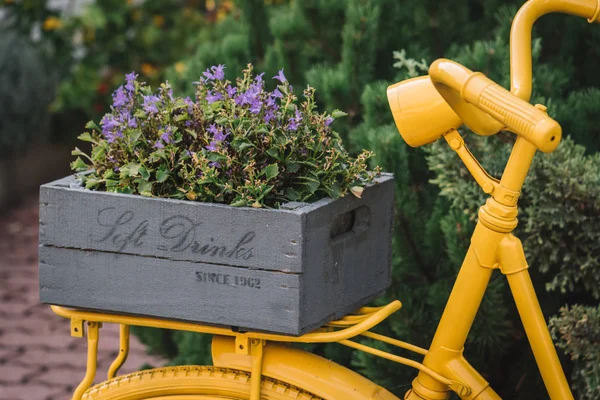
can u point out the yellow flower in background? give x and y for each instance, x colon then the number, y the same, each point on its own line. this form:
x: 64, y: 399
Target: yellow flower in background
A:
x: 136, y: 15
x: 158, y: 20
x: 148, y: 69
x: 52, y: 23
x: 180, y: 67
x: 9, y: 1
x: 210, y: 5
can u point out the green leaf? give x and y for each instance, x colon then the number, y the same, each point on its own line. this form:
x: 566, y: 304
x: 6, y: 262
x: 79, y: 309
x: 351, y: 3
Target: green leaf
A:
x: 91, y: 125
x: 111, y: 183
x: 291, y: 194
x: 293, y: 167
x: 338, y: 114
x: 144, y: 173
x: 78, y: 152
x: 91, y: 183
x: 134, y: 168
x: 78, y: 165
x: 144, y: 187
x: 125, y: 190
x: 241, y: 143
x: 216, y: 157
x: 135, y: 135
x: 182, y: 117
x: 313, y: 186
x: 273, y: 152
x: 162, y: 174
x: 86, y: 137
x: 140, y: 114
x: 192, y: 133
x: 271, y: 171
x: 239, y: 203
x: 98, y: 152
x: 108, y: 174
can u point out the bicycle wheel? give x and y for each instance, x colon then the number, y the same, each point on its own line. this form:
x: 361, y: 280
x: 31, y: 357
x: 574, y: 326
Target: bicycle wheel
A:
x: 191, y: 383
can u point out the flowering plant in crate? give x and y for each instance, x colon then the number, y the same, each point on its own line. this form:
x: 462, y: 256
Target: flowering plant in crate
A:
x: 236, y: 143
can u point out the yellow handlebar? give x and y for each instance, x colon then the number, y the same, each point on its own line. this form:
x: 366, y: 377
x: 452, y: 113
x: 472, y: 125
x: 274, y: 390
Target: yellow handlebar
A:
x: 486, y: 107
x: 517, y: 115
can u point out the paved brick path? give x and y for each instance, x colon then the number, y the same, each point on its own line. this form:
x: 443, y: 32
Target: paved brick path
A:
x: 39, y: 360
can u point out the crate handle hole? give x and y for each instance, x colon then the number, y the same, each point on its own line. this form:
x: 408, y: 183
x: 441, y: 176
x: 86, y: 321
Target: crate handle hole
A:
x: 351, y: 223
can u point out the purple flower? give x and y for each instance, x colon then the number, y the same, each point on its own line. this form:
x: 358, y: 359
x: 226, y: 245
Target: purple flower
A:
x: 165, y: 137
x: 188, y: 102
x: 215, y: 72
x: 169, y: 92
x: 109, y: 124
x: 328, y: 121
x: 280, y: 77
x: 150, y: 104
x: 159, y: 145
x: 271, y: 103
x: 213, y: 97
x: 269, y: 116
x: 132, y: 122
x: 130, y: 78
x: 295, y: 121
x: 219, y: 73
x: 230, y: 90
x: 277, y: 93
x: 217, y: 133
x: 212, y: 146
x: 293, y: 126
x: 255, y: 106
x: 214, y: 164
x: 120, y: 98
x: 259, y: 77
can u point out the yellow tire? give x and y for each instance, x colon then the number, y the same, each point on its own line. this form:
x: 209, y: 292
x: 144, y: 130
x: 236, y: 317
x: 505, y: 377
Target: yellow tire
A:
x: 191, y: 383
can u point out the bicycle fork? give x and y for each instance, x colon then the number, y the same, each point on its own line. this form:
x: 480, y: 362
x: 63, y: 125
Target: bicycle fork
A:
x: 493, y: 246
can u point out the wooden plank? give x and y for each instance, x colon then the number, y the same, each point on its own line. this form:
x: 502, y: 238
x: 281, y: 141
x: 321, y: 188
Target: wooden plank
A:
x: 180, y: 230
x: 250, y: 299
x: 354, y: 266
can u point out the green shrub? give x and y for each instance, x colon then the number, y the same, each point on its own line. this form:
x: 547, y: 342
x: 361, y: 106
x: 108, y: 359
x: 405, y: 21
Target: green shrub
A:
x: 577, y: 332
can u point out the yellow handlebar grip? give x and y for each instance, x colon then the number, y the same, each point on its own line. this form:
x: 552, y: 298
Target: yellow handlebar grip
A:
x: 516, y: 114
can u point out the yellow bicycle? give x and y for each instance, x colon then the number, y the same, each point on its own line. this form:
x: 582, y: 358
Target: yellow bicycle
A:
x: 255, y: 365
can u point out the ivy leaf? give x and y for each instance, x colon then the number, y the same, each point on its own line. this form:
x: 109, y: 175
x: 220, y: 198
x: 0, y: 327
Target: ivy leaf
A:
x: 182, y: 117
x: 86, y: 137
x: 192, y: 133
x: 338, y: 114
x: 241, y: 144
x: 135, y: 135
x: 144, y: 173
x: 91, y: 125
x: 239, y: 203
x: 293, y: 167
x: 78, y: 165
x: 292, y: 194
x: 144, y: 187
x: 98, y: 152
x: 162, y: 174
x: 271, y: 171
x: 91, y: 183
x: 273, y: 152
x: 134, y: 168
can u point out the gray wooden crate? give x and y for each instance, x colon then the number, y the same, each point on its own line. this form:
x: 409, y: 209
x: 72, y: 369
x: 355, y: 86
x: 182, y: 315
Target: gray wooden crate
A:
x: 287, y: 271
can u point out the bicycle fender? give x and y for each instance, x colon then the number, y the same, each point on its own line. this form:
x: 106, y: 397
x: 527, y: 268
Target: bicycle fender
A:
x: 305, y: 370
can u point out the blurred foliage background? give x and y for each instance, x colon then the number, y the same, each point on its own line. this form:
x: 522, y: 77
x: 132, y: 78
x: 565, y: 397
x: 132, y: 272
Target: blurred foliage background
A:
x: 59, y: 66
